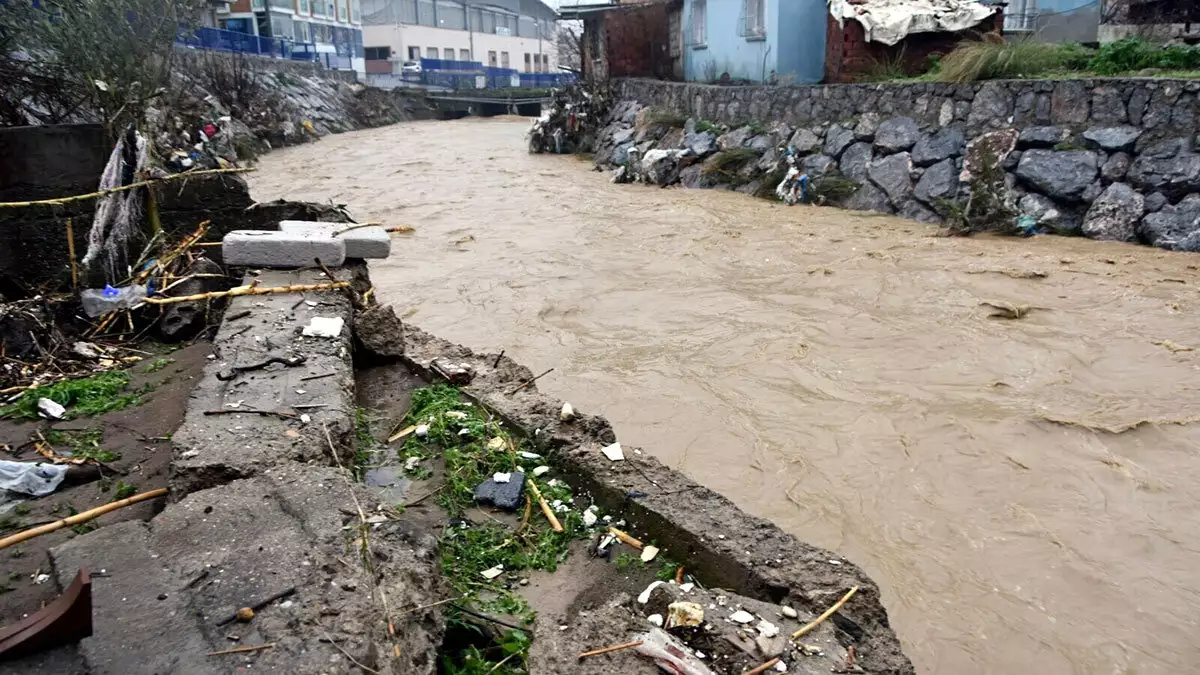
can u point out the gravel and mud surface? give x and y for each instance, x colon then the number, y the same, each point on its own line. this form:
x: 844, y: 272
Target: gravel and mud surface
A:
x: 835, y: 373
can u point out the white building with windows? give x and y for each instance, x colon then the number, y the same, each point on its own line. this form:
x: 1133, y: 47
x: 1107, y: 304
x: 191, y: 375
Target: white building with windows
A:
x: 332, y: 27
x: 518, y: 34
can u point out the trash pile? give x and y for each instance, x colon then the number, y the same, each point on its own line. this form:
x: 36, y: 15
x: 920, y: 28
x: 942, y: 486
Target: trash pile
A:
x: 570, y: 121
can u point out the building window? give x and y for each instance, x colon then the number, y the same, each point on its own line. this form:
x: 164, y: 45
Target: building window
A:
x: 258, y: 4
x: 503, y: 59
x: 489, y: 22
x: 449, y: 51
x: 464, y: 55
x: 431, y: 52
x: 527, y: 62
x: 302, y: 33
x: 754, y: 21
x: 414, y: 53
x: 451, y: 15
x: 545, y: 63
x: 378, y: 53
x: 700, y: 23
x: 304, y: 7
x: 425, y: 13
x: 492, y: 59
x: 356, y: 11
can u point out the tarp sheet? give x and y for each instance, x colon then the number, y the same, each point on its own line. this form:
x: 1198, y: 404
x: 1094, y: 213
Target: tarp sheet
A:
x: 890, y: 21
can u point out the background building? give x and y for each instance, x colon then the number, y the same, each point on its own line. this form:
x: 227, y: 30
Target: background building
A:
x: 334, y: 27
x: 516, y: 34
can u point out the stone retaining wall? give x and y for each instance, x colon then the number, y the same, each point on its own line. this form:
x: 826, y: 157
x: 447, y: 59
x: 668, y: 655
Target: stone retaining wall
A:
x: 1107, y: 158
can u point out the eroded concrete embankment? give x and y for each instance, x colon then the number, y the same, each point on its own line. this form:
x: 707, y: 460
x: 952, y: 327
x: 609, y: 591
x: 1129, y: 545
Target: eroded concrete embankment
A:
x: 262, y: 516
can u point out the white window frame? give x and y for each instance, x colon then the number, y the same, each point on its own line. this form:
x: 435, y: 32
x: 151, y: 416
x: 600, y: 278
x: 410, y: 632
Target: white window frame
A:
x: 700, y: 24
x: 754, y: 19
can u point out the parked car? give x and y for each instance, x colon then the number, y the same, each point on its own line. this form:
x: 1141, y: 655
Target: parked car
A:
x: 413, y: 67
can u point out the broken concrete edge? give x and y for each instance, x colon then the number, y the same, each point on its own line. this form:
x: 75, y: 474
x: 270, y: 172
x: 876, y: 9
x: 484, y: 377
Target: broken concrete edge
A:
x: 704, y: 531
x: 259, y: 516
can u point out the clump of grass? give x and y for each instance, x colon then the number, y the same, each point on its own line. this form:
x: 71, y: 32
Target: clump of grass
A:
x: 667, y: 571
x: 628, y: 561
x: 93, y: 395
x: 21, y: 509
x: 666, y: 118
x: 84, y: 443
x: 1135, y: 53
x: 158, y: 365
x: 770, y: 181
x: 890, y: 67
x: 757, y: 128
x: 124, y: 491
x: 705, y: 125
x: 466, y: 438
x: 725, y: 164
x: 995, y: 59
x: 831, y: 189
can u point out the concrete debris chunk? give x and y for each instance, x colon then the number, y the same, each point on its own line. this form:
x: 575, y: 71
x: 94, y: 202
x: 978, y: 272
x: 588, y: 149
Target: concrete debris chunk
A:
x: 50, y: 409
x: 261, y: 248
x: 538, y: 471
x: 567, y: 414
x: 502, y: 494
x: 613, y: 452
x: 767, y: 629
x: 360, y: 242
x: 324, y: 327
x: 493, y: 572
x: 453, y: 372
x: 649, y: 553
x: 741, y: 616
x: 788, y: 612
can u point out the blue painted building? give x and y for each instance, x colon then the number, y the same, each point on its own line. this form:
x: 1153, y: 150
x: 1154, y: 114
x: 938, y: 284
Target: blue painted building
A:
x: 754, y: 40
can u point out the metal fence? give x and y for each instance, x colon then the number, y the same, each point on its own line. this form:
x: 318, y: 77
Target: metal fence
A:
x: 474, y: 75
x: 245, y: 43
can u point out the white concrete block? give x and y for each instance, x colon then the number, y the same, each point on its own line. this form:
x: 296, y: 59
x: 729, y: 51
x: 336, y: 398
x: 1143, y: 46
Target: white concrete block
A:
x: 363, y: 242
x: 263, y: 248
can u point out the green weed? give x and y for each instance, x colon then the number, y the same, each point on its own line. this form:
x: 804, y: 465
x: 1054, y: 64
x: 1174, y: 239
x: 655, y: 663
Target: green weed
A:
x: 628, y: 561
x: 705, y: 125
x: 21, y: 509
x: 1136, y: 53
x: 158, y: 365
x: 9, y: 523
x: 93, y: 395
x: 997, y: 59
x: 725, y: 164
x: 666, y: 118
x: 667, y: 571
x: 84, y: 443
x: 124, y: 491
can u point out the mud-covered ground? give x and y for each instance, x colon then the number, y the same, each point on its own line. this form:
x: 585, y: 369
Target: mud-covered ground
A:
x: 140, y: 435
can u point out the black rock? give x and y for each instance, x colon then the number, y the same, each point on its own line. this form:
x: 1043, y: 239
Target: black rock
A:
x: 942, y: 144
x: 1042, y: 137
x: 837, y: 139
x: 506, y: 496
x: 1064, y: 174
x: 1112, y: 138
x: 897, y: 134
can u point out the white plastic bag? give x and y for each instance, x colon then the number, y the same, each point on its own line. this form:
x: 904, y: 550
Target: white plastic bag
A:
x: 31, y: 478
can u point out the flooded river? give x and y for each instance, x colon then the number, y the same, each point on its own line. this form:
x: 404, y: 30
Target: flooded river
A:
x: 836, y: 373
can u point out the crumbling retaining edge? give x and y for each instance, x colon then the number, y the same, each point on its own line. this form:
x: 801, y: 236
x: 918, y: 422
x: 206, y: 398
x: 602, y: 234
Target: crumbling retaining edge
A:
x: 707, y: 533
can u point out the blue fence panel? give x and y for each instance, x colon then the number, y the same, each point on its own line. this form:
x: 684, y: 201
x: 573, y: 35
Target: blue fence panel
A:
x: 450, y: 65
x: 245, y: 43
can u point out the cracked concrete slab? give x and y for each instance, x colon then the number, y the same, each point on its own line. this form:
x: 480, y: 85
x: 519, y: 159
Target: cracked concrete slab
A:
x: 249, y: 371
x: 167, y: 585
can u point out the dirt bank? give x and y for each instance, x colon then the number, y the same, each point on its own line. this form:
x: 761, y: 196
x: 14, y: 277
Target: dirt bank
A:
x: 835, y: 373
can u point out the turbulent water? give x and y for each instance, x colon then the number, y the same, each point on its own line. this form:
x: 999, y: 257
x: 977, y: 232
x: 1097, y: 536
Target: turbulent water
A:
x: 837, y: 373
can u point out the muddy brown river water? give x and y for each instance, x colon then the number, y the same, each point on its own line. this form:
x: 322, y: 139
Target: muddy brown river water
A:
x: 835, y: 372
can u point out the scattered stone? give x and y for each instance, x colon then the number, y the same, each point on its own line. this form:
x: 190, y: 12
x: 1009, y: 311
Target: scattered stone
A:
x: 1167, y: 168
x: 1155, y: 201
x: 614, y: 452
x: 541, y: 470
x: 505, y: 495
x: 897, y: 134
x: 1172, y: 226
x: 245, y: 615
x: 1115, y: 214
x: 940, y: 181
x: 818, y: 165
x: 789, y: 612
x: 492, y: 573
x: 767, y: 629
x: 855, y: 160
x: 805, y: 141
x: 700, y: 143
x: 50, y: 409
x: 1115, y: 167
x: 1092, y: 193
x: 1060, y: 174
x: 649, y: 553
x: 938, y: 146
x: 741, y: 616
x: 1042, y: 137
x: 893, y: 174
x: 1112, y: 138
x: 502, y: 477
x: 868, y: 125
x: 837, y: 139
x: 661, y: 167
x: 589, y: 518
x: 422, y: 431
x: 379, y: 332
x: 868, y: 197
x: 656, y: 619
x: 736, y: 138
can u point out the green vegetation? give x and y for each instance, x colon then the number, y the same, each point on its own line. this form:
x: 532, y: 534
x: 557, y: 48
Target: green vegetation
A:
x: 724, y: 165
x: 93, y: 395
x: 84, y: 443
x: 9, y: 523
x: 364, y: 441
x: 21, y: 509
x: 998, y: 60
x: 1132, y: 54
x: 666, y: 118
x: 158, y: 365
x: 124, y: 491
x: 667, y: 571
x: 705, y: 125
x: 831, y: 189
x: 474, y: 445
x: 628, y: 561
x: 472, y: 661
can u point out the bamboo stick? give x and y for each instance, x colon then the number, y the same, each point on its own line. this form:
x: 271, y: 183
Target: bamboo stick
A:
x: 78, y: 518
x: 613, y: 648
x: 545, y: 507
x: 242, y: 649
x: 131, y: 186
x: 757, y: 670
x: 623, y: 536
x: 71, y: 252
x: 245, y: 290
x: 828, y: 613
